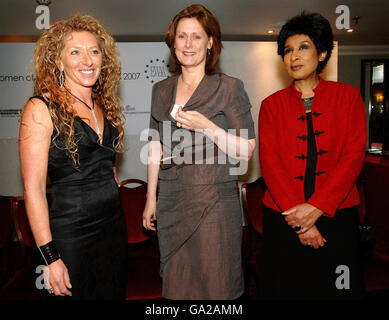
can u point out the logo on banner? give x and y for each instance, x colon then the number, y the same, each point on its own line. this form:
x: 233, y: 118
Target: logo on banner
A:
x: 10, y: 113
x: 156, y: 70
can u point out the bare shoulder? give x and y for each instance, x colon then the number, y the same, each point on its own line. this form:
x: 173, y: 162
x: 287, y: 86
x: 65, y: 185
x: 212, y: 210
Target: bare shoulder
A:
x: 36, y: 111
x: 35, y: 104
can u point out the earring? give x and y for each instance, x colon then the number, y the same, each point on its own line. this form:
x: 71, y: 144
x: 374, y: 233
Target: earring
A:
x: 100, y: 80
x: 61, y: 79
x: 208, y: 51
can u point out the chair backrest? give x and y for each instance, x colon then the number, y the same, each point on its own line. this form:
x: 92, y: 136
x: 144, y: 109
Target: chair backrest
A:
x: 5, y: 221
x: 22, y: 225
x: 133, y: 202
x: 362, y: 198
x: 252, y: 195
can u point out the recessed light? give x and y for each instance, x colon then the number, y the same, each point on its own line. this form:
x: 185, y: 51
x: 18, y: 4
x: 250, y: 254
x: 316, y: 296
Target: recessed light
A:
x: 270, y: 31
x: 350, y: 30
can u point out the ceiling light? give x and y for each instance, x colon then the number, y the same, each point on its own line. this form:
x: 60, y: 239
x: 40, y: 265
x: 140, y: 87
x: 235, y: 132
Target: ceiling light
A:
x: 270, y: 31
x: 350, y: 30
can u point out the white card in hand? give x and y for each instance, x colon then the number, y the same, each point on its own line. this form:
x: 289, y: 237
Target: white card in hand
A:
x: 174, y: 111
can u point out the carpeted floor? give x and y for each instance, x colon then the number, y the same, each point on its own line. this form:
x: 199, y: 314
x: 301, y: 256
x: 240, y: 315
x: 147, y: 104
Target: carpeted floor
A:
x: 20, y: 281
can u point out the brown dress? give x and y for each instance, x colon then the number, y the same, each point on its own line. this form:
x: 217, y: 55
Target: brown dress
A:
x: 198, y: 209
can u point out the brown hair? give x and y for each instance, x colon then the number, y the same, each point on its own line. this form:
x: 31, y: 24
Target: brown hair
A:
x: 48, y: 51
x: 211, y: 27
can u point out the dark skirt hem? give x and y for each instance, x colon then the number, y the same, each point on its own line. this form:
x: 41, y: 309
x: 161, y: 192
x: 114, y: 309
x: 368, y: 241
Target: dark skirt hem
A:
x: 290, y: 270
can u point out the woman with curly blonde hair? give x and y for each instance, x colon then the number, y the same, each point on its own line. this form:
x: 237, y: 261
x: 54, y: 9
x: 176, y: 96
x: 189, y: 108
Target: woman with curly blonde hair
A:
x: 71, y: 130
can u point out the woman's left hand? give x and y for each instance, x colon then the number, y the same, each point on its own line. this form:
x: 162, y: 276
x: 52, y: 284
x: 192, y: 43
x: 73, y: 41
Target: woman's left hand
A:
x: 312, y: 238
x: 302, y: 217
x: 192, y: 120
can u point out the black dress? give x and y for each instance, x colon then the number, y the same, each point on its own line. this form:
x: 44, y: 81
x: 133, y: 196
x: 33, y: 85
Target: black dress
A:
x: 86, y: 217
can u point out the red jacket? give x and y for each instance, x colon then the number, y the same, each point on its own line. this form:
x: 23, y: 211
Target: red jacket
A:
x: 339, y: 123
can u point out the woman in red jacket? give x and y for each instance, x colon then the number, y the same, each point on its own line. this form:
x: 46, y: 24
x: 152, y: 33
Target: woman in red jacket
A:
x: 312, y: 139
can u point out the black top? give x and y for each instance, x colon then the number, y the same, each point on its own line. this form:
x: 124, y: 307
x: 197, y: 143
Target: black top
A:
x: 86, y: 216
x: 310, y: 175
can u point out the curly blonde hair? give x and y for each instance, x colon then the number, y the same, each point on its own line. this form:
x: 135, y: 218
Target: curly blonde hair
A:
x: 47, y: 53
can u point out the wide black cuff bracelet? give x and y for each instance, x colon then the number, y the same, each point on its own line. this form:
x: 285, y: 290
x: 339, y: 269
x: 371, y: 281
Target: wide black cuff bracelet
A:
x: 49, y: 253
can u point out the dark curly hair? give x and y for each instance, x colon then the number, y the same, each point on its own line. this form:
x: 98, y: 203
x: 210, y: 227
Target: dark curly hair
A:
x: 316, y: 27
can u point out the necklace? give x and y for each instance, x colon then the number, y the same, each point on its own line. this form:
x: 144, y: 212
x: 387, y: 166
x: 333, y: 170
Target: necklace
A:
x: 190, y: 85
x: 92, y: 109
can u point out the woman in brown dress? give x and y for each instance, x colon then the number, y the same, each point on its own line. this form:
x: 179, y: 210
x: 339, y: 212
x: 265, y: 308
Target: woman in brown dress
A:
x: 198, y: 209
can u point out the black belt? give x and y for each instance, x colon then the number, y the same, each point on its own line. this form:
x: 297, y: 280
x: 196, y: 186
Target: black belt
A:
x: 169, y: 161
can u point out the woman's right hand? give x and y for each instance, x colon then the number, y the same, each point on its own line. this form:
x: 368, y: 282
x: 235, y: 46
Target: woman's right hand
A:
x: 312, y: 238
x: 59, y: 280
x: 149, y: 213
